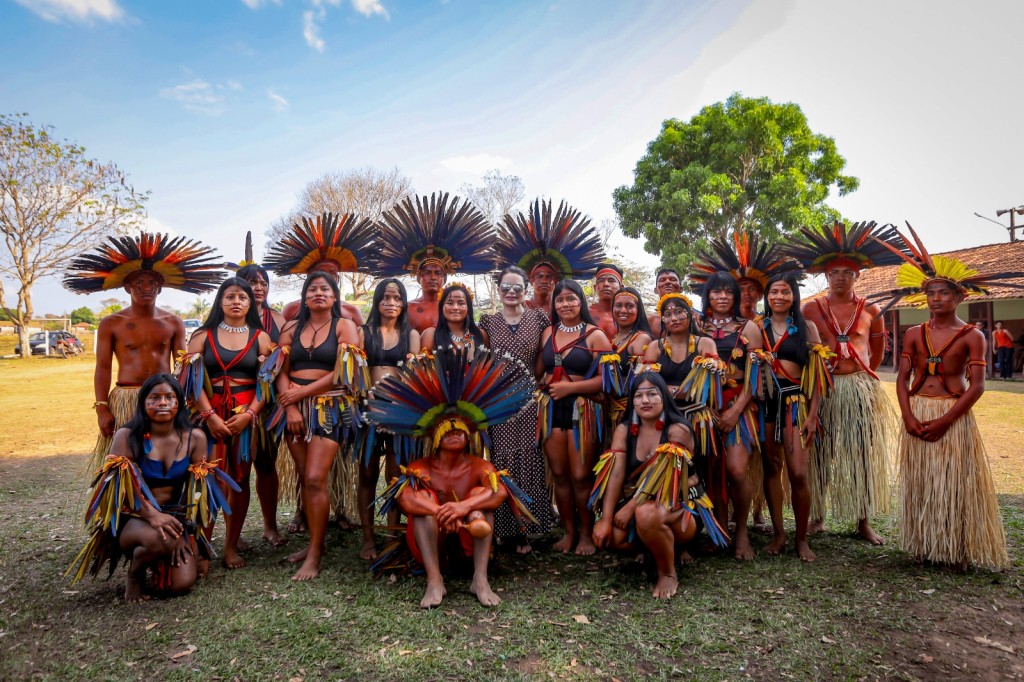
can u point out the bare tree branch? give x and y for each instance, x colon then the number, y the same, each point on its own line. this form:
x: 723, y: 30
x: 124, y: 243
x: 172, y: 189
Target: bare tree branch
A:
x: 54, y: 202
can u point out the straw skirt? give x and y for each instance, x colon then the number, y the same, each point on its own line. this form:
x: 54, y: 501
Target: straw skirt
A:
x: 949, y: 513
x: 849, y: 466
x: 122, y: 402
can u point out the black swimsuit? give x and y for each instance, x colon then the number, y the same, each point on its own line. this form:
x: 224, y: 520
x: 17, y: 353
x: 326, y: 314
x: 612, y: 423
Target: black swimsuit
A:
x: 320, y: 357
x: 578, y: 361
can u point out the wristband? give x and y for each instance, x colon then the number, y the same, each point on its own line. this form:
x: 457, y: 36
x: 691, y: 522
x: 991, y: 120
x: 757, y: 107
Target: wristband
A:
x: 252, y: 415
x: 99, y: 402
x: 203, y: 416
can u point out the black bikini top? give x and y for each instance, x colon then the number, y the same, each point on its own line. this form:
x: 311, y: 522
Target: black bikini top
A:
x: 320, y: 357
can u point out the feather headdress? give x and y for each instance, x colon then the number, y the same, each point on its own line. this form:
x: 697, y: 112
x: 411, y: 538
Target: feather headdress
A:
x: 342, y: 239
x: 921, y: 269
x: 745, y: 256
x: 451, y: 233
x: 434, y: 394
x: 861, y: 245
x: 180, y: 262
x: 565, y: 241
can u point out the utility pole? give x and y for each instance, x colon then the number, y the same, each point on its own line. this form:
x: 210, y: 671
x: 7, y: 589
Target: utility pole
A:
x: 1019, y: 210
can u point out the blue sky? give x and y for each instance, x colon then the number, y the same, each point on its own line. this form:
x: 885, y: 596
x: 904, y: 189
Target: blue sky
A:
x: 224, y: 110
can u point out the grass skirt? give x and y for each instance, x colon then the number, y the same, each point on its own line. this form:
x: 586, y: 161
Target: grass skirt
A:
x: 949, y: 512
x: 122, y: 403
x: 342, y: 483
x: 849, y: 464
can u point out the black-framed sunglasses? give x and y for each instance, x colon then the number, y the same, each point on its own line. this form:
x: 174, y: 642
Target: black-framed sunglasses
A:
x: 514, y: 288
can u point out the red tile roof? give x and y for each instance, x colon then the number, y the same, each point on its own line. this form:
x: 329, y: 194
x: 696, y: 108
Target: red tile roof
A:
x: 1004, y: 257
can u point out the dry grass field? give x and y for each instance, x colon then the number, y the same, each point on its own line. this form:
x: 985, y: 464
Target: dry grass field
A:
x: 857, y: 613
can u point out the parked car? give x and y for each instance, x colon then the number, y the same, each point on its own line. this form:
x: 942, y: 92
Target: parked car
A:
x: 191, y: 325
x: 37, y: 342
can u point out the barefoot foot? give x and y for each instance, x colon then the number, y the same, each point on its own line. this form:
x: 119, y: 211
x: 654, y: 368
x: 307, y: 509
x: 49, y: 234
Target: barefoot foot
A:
x: 296, y: 557
x: 133, y: 588
x: 666, y: 587
x: 774, y: 548
x: 585, y: 547
x: 686, y: 559
x: 564, y: 545
x: 817, y: 526
x: 434, y: 594
x: 310, y: 569
x: 742, y: 548
x: 484, y: 594
x: 232, y: 559
x: 202, y: 567
x: 805, y: 552
x: 866, y: 532
x: 524, y: 548
x: 368, y: 551
x: 244, y: 545
x: 274, y: 537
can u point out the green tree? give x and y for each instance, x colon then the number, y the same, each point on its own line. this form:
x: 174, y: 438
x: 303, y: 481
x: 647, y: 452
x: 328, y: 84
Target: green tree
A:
x: 199, y: 309
x: 83, y: 314
x: 54, y: 202
x: 745, y: 164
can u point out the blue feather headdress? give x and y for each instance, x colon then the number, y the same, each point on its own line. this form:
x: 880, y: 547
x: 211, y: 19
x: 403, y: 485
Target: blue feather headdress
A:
x: 433, y: 394
x: 448, y: 232
x: 564, y: 241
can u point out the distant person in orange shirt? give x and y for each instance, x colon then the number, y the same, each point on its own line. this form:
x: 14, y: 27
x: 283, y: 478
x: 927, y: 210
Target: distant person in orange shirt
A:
x: 1002, y: 343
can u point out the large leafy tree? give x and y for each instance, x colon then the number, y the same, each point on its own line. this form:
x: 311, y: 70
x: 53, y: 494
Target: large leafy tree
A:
x: 746, y: 163
x: 54, y: 202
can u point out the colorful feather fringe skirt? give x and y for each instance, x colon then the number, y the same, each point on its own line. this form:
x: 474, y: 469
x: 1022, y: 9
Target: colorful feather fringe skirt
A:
x: 949, y: 513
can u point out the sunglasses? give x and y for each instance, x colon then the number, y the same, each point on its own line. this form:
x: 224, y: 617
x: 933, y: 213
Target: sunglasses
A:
x: 514, y: 288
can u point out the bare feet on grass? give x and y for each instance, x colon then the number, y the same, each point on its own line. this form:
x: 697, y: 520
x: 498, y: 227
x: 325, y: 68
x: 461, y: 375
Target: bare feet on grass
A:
x: 805, y: 552
x: 232, y: 559
x: 565, y: 544
x: 274, y: 537
x: 775, y: 547
x: 310, y: 569
x: 484, y: 594
x: 817, y: 526
x: 744, y: 552
x: 368, y: 551
x: 686, y: 559
x: 666, y: 587
x: 244, y: 545
x: 296, y: 557
x: 585, y: 547
x: 202, y: 567
x: 866, y: 532
x: 434, y: 594
x: 133, y: 587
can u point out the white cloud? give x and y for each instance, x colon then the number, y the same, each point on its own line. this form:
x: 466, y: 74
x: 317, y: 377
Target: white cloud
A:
x: 256, y: 4
x: 280, y: 103
x: 312, y: 19
x: 74, y: 10
x: 370, y: 7
x: 311, y: 28
x: 198, y: 96
x: 475, y: 164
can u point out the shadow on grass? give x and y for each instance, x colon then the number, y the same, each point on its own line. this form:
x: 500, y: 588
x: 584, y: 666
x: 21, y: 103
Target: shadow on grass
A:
x: 858, y: 611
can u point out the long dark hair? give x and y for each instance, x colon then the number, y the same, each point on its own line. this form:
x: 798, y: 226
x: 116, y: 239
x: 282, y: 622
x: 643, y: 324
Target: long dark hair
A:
x: 371, y: 330
x: 253, y: 271
x: 641, y: 323
x: 794, y: 310
x: 216, y: 316
x: 720, y: 280
x: 139, y: 425
x: 573, y: 286
x: 442, y: 334
x: 673, y: 415
x: 303, y: 316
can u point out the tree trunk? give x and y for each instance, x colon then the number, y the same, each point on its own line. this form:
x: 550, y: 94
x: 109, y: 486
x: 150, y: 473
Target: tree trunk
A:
x: 23, y: 316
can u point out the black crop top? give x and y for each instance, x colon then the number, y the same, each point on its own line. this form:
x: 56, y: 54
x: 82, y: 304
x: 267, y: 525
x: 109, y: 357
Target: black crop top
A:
x: 725, y: 343
x: 270, y: 325
x: 320, y: 357
x: 789, y: 349
x: 380, y: 357
x: 671, y: 371
x: 576, y: 357
x: 632, y: 463
x: 220, y: 361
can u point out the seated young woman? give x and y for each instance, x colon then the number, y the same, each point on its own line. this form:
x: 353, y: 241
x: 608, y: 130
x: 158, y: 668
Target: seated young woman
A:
x: 143, y: 488
x: 654, y: 429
